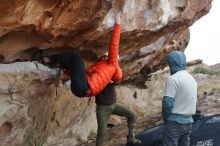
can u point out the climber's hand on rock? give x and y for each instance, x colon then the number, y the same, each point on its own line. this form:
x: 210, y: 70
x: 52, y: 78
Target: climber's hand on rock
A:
x: 118, y: 18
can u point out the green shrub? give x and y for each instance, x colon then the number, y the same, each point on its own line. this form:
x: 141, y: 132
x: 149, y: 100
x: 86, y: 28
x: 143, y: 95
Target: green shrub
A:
x: 203, y: 70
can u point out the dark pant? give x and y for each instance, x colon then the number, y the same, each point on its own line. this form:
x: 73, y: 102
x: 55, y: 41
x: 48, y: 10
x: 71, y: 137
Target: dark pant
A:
x: 175, y: 134
x: 79, y: 83
x: 103, y: 113
x: 72, y: 61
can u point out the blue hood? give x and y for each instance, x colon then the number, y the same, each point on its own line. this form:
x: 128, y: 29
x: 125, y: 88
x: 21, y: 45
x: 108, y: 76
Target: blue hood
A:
x: 176, y: 61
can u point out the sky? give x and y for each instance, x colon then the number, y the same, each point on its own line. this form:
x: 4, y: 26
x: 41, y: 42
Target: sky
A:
x: 205, y: 37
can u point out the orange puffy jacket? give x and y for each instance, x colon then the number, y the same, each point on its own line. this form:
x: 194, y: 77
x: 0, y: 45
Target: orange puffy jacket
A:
x: 101, y: 73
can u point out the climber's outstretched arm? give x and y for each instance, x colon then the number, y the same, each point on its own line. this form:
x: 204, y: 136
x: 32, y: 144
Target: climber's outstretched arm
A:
x: 114, y: 44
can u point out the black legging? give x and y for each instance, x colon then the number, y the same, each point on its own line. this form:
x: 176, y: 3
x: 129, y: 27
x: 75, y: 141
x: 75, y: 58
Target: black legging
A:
x: 79, y: 85
x: 72, y: 62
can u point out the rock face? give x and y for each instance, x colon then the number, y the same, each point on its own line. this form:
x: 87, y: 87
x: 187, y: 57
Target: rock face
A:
x: 36, y: 106
x: 33, y: 104
x: 150, y: 28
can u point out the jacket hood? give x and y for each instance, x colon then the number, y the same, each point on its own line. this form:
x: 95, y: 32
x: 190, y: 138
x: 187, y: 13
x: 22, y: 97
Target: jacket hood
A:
x: 176, y: 61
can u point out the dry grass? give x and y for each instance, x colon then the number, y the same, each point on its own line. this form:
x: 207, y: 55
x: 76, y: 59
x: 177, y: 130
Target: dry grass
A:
x: 207, y: 87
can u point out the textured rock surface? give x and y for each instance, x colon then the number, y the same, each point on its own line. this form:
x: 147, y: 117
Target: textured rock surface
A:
x: 36, y: 107
x: 85, y: 25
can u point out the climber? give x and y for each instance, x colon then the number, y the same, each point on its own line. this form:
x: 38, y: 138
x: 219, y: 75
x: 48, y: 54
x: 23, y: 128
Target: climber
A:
x: 106, y: 105
x: 93, y: 80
